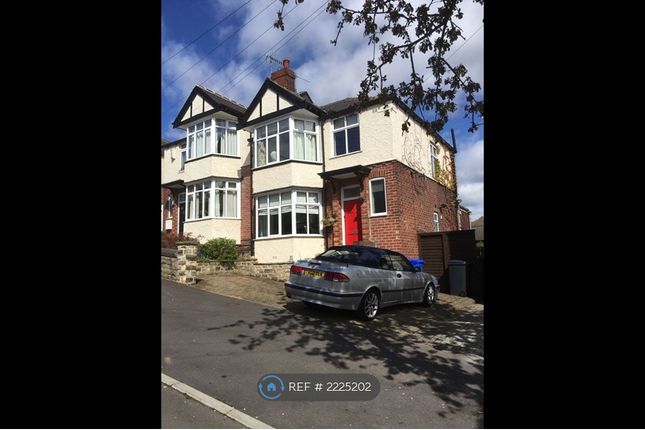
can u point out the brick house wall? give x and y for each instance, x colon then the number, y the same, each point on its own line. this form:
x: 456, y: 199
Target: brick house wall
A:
x: 411, y: 199
x: 165, y: 192
x: 465, y: 220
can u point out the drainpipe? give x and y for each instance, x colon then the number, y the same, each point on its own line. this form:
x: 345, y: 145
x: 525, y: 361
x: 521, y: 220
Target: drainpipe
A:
x: 251, y: 208
x: 324, y: 193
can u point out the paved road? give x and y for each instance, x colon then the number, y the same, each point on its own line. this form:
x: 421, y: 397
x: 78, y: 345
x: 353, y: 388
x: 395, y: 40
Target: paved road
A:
x: 179, y: 411
x: 430, y: 372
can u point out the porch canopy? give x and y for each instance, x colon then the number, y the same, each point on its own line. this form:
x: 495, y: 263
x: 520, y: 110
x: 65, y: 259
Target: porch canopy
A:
x: 177, y: 185
x: 358, y: 171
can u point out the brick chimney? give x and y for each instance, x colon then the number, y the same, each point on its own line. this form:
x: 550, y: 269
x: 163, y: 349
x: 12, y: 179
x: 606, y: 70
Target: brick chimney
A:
x: 285, y: 77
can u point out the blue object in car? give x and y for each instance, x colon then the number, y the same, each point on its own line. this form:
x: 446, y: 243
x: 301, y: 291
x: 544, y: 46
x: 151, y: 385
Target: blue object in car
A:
x: 417, y: 262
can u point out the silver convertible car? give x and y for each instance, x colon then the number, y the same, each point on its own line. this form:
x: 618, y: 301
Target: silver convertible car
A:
x: 360, y: 278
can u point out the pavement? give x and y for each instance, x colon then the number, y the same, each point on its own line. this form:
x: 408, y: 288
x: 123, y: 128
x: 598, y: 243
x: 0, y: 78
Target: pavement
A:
x: 179, y: 411
x: 429, y: 362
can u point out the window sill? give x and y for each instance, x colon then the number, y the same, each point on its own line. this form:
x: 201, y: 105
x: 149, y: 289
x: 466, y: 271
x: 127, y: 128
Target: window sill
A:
x: 378, y: 215
x: 280, y: 163
x: 212, y: 155
x: 211, y: 218
x: 345, y: 155
x: 290, y: 236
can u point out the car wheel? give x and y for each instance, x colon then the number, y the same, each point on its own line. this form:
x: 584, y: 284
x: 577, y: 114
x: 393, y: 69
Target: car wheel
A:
x: 369, y: 305
x: 429, y: 295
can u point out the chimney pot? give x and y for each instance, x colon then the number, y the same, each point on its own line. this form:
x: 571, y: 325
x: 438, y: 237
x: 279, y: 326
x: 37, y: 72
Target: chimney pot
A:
x: 285, y: 63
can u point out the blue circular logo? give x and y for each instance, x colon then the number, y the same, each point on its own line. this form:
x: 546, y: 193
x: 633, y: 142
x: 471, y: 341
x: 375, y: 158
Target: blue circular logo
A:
x: 270, y: 387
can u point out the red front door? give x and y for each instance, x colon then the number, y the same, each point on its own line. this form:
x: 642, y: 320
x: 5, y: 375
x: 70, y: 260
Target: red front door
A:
x: 352, y: 210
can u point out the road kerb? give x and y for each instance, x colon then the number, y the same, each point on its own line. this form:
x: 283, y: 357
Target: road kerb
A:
x: 215, y: 404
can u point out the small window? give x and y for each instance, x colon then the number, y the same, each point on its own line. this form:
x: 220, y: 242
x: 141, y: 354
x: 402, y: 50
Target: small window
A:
x: 435, y: 217
x: 346, y: 135
x: 378, y: 202
x: 183, y: 157
x: 434, y: 161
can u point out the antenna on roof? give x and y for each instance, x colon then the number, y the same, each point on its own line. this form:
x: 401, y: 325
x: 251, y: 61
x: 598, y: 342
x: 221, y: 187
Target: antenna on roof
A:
x: 269, y: 58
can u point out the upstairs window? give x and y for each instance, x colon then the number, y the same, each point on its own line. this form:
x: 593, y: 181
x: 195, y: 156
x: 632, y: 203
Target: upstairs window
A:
x: 434, y: 161
x: 269, y: 139
x: 435, y: 218
x: 225, y: 137
x: 304, y: 140
x: 346, y: 135
x: 183, y: 157
x: 201, y: 141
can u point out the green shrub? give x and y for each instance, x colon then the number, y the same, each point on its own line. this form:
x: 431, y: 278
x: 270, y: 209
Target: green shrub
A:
x: 221, y: 249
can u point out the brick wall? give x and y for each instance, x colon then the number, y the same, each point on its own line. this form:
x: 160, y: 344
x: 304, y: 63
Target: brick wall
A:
x: 411, y: 199
x: 184, y: 267
x: 165, y: 192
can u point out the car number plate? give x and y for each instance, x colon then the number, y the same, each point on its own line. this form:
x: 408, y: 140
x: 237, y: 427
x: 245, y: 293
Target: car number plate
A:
x: 313, y: 273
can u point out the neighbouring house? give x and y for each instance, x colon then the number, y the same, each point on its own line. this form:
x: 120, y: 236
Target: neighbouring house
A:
x: 287, y: 178
x: 478, y: 226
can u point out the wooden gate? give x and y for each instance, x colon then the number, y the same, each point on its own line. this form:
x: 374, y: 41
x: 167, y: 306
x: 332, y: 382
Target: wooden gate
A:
x: 436, y: 249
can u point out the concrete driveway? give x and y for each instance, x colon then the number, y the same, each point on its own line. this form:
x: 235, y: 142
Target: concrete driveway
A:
x: 429, y: 361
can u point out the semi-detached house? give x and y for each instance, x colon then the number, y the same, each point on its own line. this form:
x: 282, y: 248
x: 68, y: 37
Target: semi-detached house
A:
x: 286, y: 178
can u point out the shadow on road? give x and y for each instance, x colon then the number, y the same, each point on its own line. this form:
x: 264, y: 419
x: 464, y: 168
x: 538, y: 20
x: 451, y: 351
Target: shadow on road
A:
x: 406, y: 340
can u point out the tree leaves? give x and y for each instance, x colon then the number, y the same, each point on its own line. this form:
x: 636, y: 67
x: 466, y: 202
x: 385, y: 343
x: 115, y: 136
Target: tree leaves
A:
x: 435, y: 31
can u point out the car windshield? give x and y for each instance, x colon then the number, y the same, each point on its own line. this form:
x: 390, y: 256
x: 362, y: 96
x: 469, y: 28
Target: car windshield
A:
x: 343, y: 255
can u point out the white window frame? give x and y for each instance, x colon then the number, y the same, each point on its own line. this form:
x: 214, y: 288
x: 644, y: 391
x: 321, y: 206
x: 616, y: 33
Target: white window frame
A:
x: 226, y: 189
x: 435, y: 221
x: 294, y: 194
x: 229, y: 125
x: 171, y: 205
x: 183, y: 156
x: 210, y: 123
x: 334, y: 130
x: 211, y: 203
x: 372, y: 213
x: 434, y: 155
x: 291, y: 130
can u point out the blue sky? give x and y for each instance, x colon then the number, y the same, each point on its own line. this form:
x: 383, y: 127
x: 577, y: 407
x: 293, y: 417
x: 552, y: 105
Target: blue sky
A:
x: 327, y: 72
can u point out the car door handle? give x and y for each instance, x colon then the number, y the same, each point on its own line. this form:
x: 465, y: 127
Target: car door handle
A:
x: 398, y: 275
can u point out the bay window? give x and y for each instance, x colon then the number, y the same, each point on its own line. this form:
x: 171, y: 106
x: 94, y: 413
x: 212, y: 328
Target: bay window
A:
x: 201, y: 141
x: 277, y: 213
x: 304, y: 140
x: 346, y: 135
x: 273, y: 141
x: 212, y: 199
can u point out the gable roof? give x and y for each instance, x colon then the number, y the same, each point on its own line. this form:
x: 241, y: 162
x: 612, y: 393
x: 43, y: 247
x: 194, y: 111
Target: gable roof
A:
x: 298, y: 101
x: 218, y: 101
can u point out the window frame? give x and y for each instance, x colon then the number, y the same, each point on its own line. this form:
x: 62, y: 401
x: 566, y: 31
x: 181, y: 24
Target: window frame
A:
x: 346, y: 127
x: 378, y: 214
x: 183, y: 156
x: 189, y: 214
x: 435, y: 222
x: 191, y: 148
x: 294, y: 194
x: 291, y: 119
